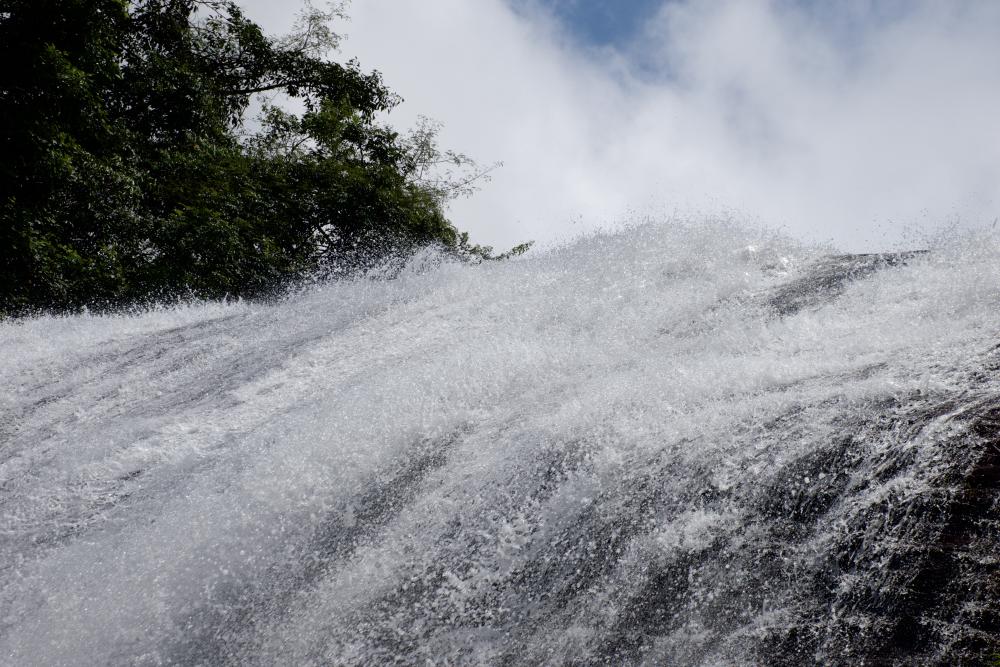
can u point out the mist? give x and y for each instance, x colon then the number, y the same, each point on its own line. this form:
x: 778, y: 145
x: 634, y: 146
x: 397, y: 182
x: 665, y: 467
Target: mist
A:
x: 867, y: 125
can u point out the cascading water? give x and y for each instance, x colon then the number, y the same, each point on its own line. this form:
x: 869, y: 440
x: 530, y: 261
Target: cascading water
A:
x: 680, y: 444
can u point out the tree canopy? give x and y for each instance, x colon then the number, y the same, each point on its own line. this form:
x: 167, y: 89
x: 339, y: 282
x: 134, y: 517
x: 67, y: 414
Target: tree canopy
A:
x: 130, y: 173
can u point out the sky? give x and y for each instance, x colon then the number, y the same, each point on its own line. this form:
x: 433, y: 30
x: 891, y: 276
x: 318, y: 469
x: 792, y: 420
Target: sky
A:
x: 868, y: 124
x: 595, y: 22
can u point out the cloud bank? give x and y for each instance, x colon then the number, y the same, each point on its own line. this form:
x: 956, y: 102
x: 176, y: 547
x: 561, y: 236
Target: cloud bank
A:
x: 851, y: 124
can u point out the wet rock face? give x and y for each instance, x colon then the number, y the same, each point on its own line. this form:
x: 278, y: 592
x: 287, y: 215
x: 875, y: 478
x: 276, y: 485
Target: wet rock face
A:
x: 912, y: 577
x: 846, y: 555
x: 905, y: 577
x: 826, y: 280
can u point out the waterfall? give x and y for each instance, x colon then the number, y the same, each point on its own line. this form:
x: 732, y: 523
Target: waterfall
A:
x: 678, y: 444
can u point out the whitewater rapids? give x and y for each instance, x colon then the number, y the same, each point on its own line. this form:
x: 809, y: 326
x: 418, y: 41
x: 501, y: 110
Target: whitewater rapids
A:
x: 683, y: 444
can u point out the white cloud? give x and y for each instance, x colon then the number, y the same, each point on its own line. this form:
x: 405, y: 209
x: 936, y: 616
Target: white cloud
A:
x: 849, y: 124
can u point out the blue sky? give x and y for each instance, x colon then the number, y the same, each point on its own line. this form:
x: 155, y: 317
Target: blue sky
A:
x: 600, y: 22
x: 617, y: 24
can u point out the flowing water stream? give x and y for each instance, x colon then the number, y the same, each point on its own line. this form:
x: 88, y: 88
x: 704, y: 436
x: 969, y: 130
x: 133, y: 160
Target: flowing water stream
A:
x: 683, y: 444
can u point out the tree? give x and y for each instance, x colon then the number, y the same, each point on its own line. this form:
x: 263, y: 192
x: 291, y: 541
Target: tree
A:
x: 67, y: 188
x: 133, y: 177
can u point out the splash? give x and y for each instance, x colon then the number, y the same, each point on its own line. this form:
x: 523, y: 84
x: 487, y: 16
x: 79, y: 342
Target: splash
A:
x: 690, y: 444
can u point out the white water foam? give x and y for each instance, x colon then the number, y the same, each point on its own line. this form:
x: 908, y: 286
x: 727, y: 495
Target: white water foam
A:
x: 378, y: 470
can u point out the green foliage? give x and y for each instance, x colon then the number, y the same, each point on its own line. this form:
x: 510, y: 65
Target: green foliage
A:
x: 129, y: 173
